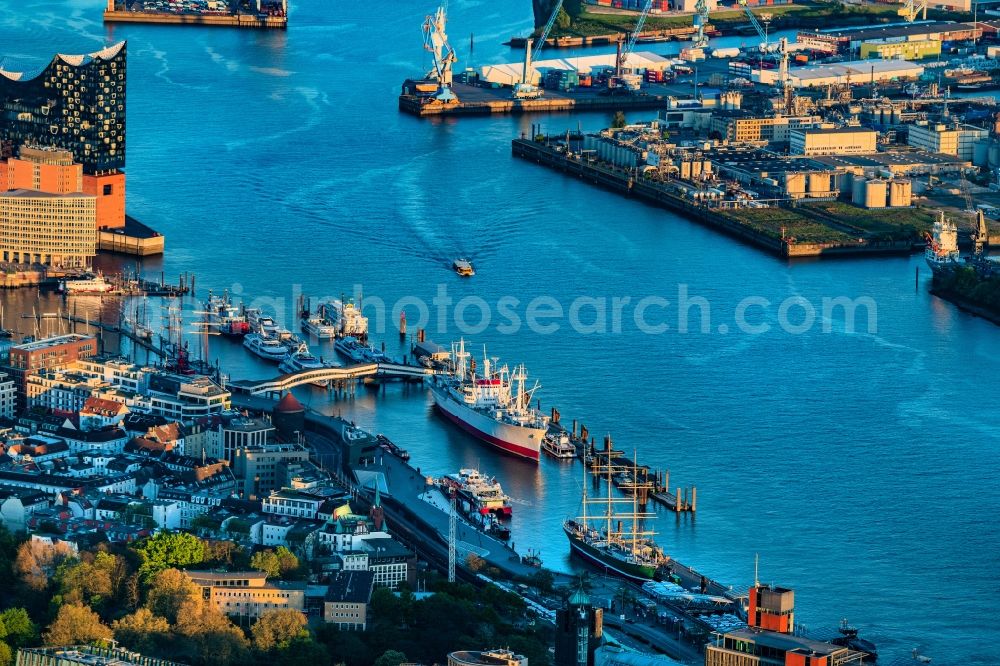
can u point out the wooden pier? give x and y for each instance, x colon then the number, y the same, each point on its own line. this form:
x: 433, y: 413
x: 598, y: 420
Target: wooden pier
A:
x: 627, y: 474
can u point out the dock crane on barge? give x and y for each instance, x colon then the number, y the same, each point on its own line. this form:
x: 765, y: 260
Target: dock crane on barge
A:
x: 524, y: 89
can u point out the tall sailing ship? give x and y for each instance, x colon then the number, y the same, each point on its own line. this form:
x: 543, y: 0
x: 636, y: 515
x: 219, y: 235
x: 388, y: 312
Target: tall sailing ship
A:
x: 616, y: 538
x: 493, y: 405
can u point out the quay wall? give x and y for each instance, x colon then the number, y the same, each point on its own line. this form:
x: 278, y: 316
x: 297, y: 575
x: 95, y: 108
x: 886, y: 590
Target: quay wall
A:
x: 657, y: 194
x: 412, y: 104
x: 223, y: 20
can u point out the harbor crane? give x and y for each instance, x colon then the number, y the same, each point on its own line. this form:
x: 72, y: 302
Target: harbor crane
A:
x: 911, y: 8
x: 436, y: 41
x: 618, y: 82
x: 766, y: 48
x: 700, y: 21
x: 524, y: 89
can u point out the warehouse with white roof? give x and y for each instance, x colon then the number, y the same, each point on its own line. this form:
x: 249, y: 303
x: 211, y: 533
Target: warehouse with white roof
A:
x: 841, y: 73
x: 510, y: 74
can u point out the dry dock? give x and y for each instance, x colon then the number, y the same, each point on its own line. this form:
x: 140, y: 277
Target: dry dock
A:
x: 478, y: 101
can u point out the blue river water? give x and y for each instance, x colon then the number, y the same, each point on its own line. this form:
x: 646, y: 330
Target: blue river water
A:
x: 858, y: 461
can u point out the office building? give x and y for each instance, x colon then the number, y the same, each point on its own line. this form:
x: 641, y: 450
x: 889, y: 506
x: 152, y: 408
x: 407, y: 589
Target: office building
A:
x: 86, y: 655
x: 839, y: 141
x: 951, y: 139
x: 263, y: 469
x: 752, y: 647
x: 347, y: 599
x: 58, y: 230
x: 247, y: 593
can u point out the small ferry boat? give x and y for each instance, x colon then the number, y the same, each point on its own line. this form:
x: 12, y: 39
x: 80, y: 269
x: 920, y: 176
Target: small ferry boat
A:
x: 267, y: 348
x: 86, y: 284
x: 463, y: 267
x: 318, y: 328
x: 558, y: 445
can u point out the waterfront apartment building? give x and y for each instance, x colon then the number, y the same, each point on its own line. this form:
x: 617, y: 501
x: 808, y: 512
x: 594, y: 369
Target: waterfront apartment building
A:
x: 247, y: 593
x: 952, y: 139
x: 76, y: 103
x: 55, y: 352
x: 838, y: 141
x: 58, y: 230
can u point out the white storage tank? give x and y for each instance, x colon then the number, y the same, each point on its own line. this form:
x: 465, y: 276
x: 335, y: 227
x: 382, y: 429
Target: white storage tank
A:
x: 876, y: 193
x: 795, y: 183
x: 900, y: 193
x: 819, y: 183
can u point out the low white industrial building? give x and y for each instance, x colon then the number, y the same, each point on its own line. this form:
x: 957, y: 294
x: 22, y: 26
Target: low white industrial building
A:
x: 842, y: 73
x: 510, y: 74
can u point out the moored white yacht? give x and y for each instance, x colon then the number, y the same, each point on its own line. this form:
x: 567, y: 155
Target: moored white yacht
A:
x: 267, y: 348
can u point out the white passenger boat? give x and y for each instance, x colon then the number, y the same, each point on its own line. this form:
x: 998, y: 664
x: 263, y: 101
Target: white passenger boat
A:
x: 267, y: 348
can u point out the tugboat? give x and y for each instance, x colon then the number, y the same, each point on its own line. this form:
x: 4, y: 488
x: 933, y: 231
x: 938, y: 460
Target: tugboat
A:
x: 558, y: 446
x: 463, y: 267
x: 849, y: 638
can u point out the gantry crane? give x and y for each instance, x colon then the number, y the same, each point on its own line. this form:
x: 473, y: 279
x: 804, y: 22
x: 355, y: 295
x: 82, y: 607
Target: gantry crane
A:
x: 525, y: 89
x: 436, y: 41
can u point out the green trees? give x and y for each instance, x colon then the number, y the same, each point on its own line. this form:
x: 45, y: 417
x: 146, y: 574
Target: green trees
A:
x: 168, y: 549
x: 36, y: 562
x: 142, y: 631
x: 277, y: 629
x: 281, y: 563
x: 169, y: 591
x: 390, y: 658
x: 618, y: 120
x: 75, y: 623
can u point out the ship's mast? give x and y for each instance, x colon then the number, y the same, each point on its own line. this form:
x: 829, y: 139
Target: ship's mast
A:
x: 608, y: 493
x: 635, y: 500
